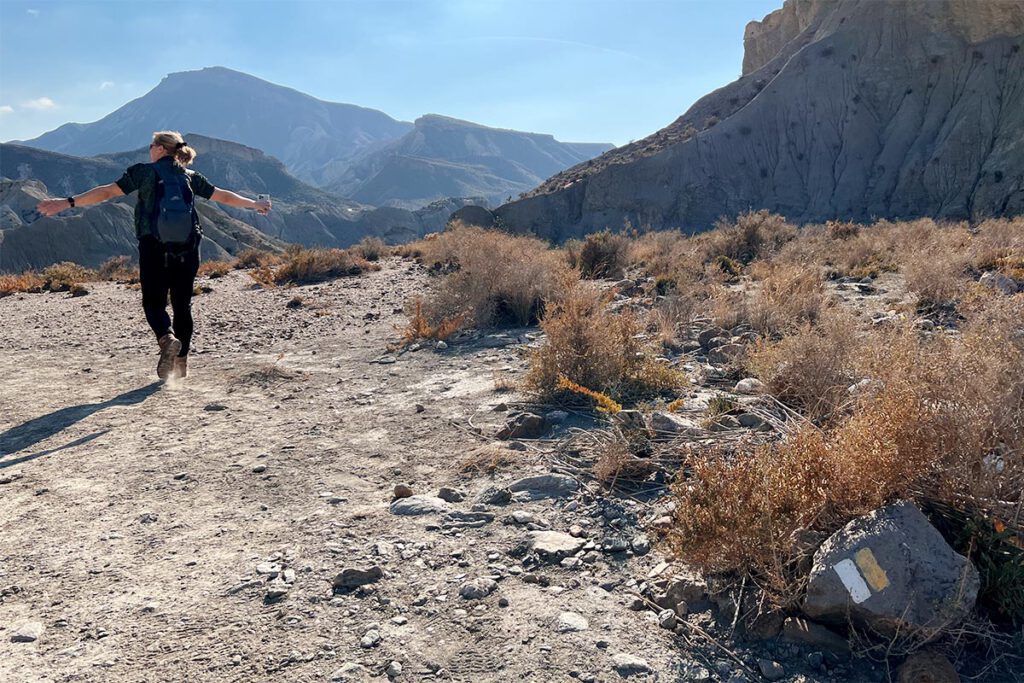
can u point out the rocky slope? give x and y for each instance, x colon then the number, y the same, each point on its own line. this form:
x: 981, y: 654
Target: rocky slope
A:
x: 445, y: 157
x: 849, y: 109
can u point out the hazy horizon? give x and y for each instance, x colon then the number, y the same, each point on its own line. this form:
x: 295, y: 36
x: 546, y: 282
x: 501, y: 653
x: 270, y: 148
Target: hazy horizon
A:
x: 604, y: 71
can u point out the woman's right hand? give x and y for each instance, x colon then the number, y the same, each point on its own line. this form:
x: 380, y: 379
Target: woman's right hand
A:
x: 262, y: 206
x: 51, y: 207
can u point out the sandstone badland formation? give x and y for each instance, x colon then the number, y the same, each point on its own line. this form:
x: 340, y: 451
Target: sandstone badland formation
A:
x: 850, y: 109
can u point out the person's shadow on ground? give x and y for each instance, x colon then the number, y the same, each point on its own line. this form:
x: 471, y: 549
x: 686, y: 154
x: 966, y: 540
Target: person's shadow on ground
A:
x: 27, y: 434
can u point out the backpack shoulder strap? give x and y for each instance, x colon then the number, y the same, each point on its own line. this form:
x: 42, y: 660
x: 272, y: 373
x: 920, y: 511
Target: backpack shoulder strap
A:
x: 169, y: 176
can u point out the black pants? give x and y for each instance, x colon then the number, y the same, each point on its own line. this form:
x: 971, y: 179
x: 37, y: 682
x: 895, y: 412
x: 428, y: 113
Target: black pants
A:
x: 163, y: 272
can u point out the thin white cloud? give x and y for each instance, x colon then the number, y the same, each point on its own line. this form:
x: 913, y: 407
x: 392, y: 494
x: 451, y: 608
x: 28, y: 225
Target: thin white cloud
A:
x: 32, y: 12
x: 39, y: 103
x: 106, y: 84
x: 6, y: 109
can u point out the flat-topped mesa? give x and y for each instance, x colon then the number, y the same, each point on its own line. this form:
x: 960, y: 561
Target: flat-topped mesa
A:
x: 846, y: 109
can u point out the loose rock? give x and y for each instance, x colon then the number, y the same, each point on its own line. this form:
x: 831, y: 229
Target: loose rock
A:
x: 525, y: 426
x: 927, y: 667
x: 749, y: 386
x: 771, y: 670
x: 546, y: 486
x: 352, y: 577
x: 554, y: 544
x: 892, y: 571
x: 478, y: 589
x: 628, y: 665
x: 29, y: 632
x: 569, y: 622
x: 418, y: 505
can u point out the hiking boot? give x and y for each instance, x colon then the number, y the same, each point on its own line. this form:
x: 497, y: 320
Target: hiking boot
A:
x: 181, y: 367
x: 169, y: 348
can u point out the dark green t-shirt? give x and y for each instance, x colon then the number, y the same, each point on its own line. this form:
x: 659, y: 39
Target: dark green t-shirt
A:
x: 143, y: 177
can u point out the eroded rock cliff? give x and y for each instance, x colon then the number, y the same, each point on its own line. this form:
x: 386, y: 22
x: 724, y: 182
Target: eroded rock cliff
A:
x: 872, y: 109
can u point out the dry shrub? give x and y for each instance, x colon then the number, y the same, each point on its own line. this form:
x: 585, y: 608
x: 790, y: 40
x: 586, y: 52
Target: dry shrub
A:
x: 420, y: 326
x: 61, y: 276
x: 938, y: 270
x: 658, y: 252
x: 842, y: 230
x: 755, y: 234
x: 215, y: 269
x: 727, y: 307
x: 26, y: 283
x: 118, y: 269
x: 601, y: 255
x: 496, y: 278
x: 998, y: 244
x: 789, y: 296
x: 616, y: 462
x: 307, y: 266
x: 811, y: 368
x: 946, y: 423
x: 372, y: 248
x: 596, y: 349
x: 256, y: 258
x: 487, y: 459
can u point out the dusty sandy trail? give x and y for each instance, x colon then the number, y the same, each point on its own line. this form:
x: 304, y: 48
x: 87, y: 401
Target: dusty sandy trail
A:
x: 133, y: 515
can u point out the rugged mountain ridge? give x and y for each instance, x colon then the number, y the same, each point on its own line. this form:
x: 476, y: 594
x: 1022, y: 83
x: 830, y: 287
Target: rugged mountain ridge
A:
x: 300, y: 130
x: 302, y: 214
x: 445, y: 157
x: 872, y: 109
x: 361, y: 153
x: 91, y: 235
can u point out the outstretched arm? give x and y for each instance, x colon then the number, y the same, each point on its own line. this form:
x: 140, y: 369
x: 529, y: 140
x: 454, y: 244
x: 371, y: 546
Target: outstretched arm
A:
x: 231, y: 199
x: 51, y: 207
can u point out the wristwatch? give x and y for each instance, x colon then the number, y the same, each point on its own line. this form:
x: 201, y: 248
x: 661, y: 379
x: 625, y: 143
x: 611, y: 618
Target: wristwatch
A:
x: 71, y: 201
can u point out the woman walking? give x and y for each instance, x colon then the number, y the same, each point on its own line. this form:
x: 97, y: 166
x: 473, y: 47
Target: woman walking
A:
x: 167, y: 227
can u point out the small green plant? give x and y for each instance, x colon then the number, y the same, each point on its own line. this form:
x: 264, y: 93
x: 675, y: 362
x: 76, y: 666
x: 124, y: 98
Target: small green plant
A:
x: 721, y: 405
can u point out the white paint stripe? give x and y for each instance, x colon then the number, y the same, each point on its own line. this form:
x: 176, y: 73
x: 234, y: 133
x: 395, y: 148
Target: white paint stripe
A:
x: 853, y: 581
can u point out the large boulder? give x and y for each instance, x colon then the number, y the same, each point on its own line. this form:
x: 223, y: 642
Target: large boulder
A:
x: 891, y: 572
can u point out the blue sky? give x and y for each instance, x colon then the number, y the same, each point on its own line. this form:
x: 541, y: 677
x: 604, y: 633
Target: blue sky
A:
x: 588, y: 71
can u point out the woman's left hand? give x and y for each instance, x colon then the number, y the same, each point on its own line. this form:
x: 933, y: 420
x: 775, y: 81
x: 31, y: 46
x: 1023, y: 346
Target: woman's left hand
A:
x: 51, y: 207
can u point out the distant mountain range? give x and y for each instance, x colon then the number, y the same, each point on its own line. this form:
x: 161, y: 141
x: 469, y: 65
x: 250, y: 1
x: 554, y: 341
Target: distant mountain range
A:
x: 445, y: 157
x: 846, y: 110
x: 360, y: 153
x: 302, y: 214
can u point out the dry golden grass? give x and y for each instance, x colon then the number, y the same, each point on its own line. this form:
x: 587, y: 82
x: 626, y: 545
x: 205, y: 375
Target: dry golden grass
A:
x: 494, y: 278
x: 256, y: 258
x: 599, y: 255
x: 26, y: 283
x: 420, y: 327
x: 61, y: 276
x: 487, y: 459
x: 372, y: 249
x: 302, y: 266
x: 811, y: 368
x: 119, y: 269
x: 945, y: 423
x: 789, y: 296
x: 753, y: 235
x: 616, y: 462
x: 597, y: 350
x: 215, y: 269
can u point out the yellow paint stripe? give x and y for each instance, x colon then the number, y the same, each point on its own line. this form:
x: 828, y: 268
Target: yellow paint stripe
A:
x: 873, y: 573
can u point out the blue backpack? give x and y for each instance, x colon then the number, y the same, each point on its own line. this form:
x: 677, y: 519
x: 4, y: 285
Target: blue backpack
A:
x: 176, y: 222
